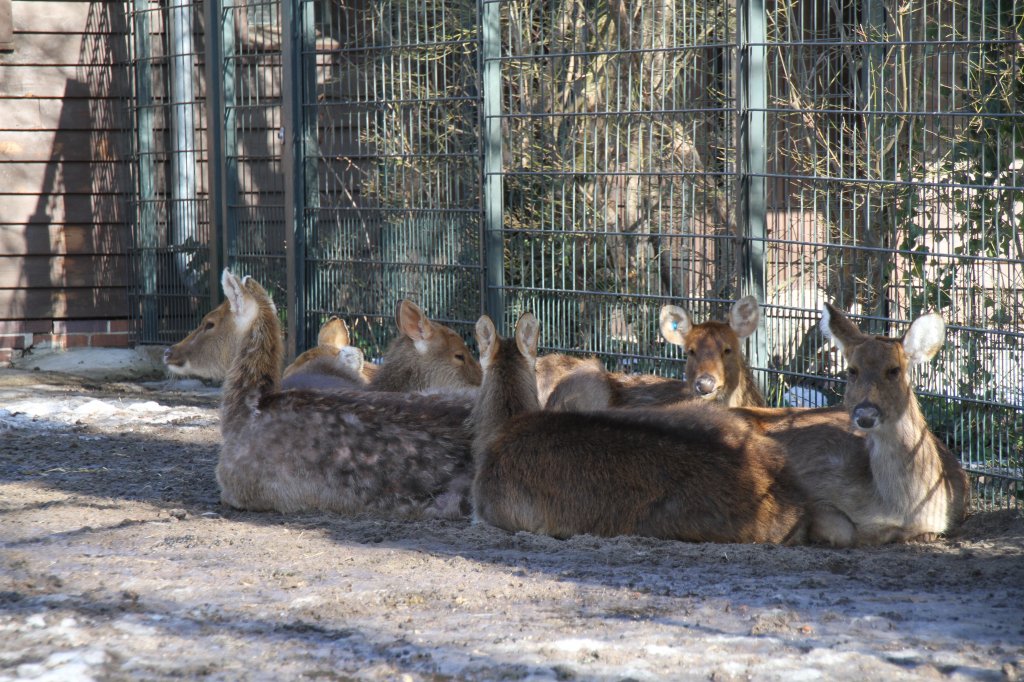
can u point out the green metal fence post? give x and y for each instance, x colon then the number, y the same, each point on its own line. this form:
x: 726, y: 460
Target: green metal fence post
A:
x: 145, y: 131
x: 215, y: 84
x: 299, y: 157
x: 752, y: 100
x: 494, y: 246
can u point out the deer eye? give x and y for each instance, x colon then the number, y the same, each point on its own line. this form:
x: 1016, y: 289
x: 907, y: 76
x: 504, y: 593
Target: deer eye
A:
x: 726, y: 351
x: 691, y: 352
x: 461, y: 357
x: 852, y: 372
x: 893, y: 372
x: 208, y: 326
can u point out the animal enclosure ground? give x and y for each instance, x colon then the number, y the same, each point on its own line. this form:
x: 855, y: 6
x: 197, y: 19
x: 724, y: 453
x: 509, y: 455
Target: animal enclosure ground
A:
x: 117, y: 561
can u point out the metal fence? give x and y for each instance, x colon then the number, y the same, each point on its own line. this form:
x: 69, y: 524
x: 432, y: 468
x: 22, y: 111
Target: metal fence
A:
x: 594, y: 161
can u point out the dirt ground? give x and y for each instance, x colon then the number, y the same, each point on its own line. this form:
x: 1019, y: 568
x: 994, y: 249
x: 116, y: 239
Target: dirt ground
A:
x: 118, y: 562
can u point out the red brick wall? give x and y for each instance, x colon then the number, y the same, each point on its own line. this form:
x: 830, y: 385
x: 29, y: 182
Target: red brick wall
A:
x: 17, y: 336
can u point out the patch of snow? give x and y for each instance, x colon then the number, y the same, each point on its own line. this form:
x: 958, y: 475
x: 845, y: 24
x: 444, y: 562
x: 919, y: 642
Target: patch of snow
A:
x: 41, y: 414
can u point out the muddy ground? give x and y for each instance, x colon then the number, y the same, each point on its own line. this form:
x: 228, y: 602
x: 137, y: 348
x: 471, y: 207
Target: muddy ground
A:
x: 118, y: 562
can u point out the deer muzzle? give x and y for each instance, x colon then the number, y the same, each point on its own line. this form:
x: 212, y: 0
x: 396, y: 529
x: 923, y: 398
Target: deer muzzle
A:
x: 705, y: 385
x: 866, y: 416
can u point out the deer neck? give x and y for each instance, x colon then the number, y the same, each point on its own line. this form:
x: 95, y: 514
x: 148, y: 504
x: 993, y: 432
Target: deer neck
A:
x: 508, y: 390
x: 399, y: 371
x: 255, y: 370
x: 905, y: 462
x: 746, y: 393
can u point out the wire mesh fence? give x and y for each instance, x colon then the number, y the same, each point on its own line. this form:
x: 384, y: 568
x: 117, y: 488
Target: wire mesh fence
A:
x: 170, y: 250
x: 592, y: 162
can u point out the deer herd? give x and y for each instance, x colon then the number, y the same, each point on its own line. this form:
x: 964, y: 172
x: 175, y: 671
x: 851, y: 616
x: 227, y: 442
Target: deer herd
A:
x: 559, y: 445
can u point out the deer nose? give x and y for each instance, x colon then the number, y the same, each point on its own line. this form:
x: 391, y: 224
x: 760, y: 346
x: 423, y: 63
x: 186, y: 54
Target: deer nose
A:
x: 866, y: 416
x: 705, y: 384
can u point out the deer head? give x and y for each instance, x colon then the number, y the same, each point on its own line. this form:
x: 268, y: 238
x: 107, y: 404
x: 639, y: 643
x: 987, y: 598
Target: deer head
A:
x: 432, y: 353
x: 715, y: 366
x: 879, y: 390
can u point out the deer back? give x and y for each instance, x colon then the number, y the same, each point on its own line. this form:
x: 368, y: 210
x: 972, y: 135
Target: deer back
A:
x: 580, y: 385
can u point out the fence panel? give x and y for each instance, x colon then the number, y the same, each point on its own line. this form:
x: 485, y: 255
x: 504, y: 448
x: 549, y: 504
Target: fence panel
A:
x: 618, y: 134
x: 169, y: 253
x: 397, y: 208
x: 895, y: 186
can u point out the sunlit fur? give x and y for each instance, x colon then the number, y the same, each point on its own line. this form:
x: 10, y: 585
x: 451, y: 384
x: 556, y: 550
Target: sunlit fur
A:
x: 425, y: 354
x: 893, y: 482
x: 346, y: 451
x: 693, y: 472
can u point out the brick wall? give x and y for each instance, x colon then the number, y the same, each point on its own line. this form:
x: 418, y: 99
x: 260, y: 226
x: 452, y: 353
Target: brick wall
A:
x: 17, y: 336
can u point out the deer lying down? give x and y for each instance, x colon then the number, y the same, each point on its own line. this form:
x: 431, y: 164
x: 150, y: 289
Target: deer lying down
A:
x: 331, y: 365
x: 425, y: 355
x: 874, y: 471
x: 694, y: 473
x: 715, y: 368
x: 345, y: 451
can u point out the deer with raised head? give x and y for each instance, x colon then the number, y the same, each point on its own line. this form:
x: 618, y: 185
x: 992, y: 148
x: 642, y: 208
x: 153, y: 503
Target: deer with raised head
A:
x: 874, y: 471
x: 330, y: 365
x: 716, y: 368
x: 344, y: 451
x: 425, y: 355
x: 695, y: 472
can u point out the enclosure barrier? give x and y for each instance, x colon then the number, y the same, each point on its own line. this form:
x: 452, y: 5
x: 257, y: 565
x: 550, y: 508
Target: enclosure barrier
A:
x: 594, y: 161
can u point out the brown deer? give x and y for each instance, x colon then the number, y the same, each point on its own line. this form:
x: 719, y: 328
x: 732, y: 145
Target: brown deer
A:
x: 874, y: 471
x: 343, y: 451
x: 716, y: 368
x: 330, y: 365
x: 695, y: 472
x: 425, y: 355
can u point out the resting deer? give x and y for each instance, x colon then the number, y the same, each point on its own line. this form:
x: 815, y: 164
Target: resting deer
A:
x: 694, y: 473
x: 345, y: 451
x: 330, y: 365
x: 874, y: 471
x: 425, y: 355
x: 715, y: 368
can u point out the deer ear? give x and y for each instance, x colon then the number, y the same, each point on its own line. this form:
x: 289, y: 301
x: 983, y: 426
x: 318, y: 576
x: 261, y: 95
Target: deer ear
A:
x: 744, y: 316
x: 675, y: 324
x: 835, y: 326
x: 528, y: 336
x: 333, y: 333
x: 486, y: 340
x: 351, y: 357
x: 414, y: 323
x: 924, y: 338
x: 234, y: 291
